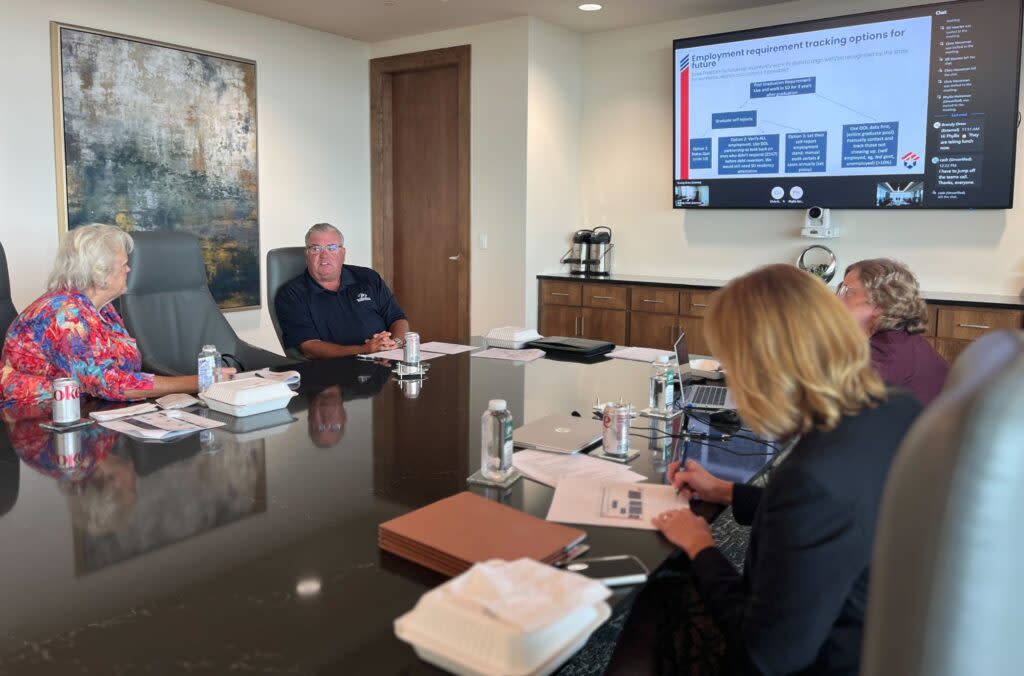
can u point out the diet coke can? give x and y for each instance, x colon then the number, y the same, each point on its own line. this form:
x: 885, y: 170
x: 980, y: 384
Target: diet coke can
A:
x: 68, y: 446
x: 616, y: 429
x: 66, y: 409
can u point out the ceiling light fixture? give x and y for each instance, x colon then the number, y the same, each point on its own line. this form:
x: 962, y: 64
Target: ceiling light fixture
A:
x: 590, y: 7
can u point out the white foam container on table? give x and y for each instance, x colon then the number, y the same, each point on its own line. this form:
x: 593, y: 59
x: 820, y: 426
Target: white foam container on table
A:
x: 247, y: 396
x: 466, y: 642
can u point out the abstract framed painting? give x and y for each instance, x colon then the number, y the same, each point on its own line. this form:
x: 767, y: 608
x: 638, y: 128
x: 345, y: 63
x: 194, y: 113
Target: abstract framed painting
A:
x: 154, y: 136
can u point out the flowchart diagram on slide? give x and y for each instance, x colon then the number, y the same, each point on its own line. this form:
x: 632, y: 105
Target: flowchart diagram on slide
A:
x: 848, y: 101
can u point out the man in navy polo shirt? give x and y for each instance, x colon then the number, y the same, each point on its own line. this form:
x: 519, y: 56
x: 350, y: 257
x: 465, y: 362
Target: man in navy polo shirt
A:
x: 337, y: 310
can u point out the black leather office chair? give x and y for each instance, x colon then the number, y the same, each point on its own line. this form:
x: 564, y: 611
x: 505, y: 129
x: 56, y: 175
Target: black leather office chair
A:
x: 7, y: 309
x: 170, y: 311
x: 283, y: 265
x: 10, y: 472
x: 946, y: 589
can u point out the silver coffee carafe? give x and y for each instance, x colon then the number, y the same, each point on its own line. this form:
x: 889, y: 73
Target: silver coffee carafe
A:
x: 601, y: 251
x: 578, y: 256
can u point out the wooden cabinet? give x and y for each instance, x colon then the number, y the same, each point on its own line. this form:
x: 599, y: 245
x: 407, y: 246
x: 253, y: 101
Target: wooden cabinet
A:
x: 652, y: 316
x: 560, y: 293
x: 650, y: 329
x: 951, y: 328
x: 599, y: 324
x: 584, y: 310
x: 558, y: 320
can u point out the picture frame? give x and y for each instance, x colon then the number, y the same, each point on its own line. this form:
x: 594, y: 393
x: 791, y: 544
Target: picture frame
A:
x: 155, y: 136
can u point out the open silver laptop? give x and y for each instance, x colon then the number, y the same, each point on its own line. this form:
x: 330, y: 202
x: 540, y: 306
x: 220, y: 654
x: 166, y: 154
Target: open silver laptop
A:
x: 558, y: 434
x: 702, y: 397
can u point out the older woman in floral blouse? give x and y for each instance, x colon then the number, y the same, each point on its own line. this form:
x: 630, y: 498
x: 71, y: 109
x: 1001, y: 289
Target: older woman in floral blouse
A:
x: 73, y: 331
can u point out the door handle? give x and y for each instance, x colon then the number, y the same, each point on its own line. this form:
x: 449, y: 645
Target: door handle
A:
x: 559, y: 293
x: 983, y: 327
x: 455, y: 257
x: 601, y: 297
x: 699, y: 305
x: 648, y: 300
x: 576, y: 325
x: 583, y: 325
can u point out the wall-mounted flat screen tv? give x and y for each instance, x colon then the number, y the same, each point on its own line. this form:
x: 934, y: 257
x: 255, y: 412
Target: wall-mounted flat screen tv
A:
x: 900, y: 109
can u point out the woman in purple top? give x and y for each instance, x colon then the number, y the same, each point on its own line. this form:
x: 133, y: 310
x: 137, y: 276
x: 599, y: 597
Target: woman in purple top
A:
x: 884, y: 297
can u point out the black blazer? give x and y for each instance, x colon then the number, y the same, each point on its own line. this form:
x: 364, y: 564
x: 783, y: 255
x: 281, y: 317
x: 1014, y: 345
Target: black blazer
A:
x: 799, y: 605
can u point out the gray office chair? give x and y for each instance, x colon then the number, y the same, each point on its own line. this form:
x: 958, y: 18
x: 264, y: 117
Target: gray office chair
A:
x: 947, y: 594
x: 171, y: 313
x: 7, y: 309
x: 283, y: 265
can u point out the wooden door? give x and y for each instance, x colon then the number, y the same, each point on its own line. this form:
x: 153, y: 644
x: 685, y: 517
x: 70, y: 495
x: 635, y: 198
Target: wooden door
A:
x: 649, y: 329
x: 419, y: 105
x: 559, y: 320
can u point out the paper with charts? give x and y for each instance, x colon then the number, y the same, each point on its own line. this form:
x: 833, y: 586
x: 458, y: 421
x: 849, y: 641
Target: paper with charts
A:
x: 619, y: 505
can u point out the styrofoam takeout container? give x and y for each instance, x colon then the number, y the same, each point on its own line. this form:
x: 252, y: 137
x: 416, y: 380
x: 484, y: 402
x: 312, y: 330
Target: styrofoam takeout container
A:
x: 464, y: 641
x: 247, y: 396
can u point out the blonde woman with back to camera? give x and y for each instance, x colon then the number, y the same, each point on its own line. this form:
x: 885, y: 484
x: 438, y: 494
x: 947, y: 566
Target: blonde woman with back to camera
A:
x: 73, y: 330
x: 798, y: 365
x: 884, y: 297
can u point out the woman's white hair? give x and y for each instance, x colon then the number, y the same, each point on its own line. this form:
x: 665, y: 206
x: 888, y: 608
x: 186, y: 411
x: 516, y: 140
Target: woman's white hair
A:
x: 87, y: 256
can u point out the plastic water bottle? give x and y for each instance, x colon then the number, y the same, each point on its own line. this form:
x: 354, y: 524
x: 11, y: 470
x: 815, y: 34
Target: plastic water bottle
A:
x: 209, y: 367
x: 496, y: 441
x: 662, y: 394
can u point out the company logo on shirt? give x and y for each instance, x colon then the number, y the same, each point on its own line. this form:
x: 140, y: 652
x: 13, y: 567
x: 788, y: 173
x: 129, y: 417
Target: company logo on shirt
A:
x: 362, y: 298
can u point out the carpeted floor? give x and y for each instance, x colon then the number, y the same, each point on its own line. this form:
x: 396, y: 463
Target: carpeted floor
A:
x: 593, y: 657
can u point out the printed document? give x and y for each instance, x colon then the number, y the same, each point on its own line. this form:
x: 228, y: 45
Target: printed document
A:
x: 161, y: 425
x: 604, y: 503
x: 549, y: 468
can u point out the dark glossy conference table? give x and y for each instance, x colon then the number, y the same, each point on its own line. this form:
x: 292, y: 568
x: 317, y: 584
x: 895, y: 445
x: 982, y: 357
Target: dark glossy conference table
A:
x: 254, y: 547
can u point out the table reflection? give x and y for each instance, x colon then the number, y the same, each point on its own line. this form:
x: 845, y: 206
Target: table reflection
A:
x: 327, y: 391
x: 127, y: 497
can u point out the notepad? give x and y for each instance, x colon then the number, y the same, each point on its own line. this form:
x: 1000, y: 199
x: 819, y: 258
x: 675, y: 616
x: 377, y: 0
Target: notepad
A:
x: 452, y: 534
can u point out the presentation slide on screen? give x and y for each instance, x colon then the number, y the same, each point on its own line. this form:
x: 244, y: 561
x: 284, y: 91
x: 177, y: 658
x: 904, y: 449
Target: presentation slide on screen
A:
x: 849, y: 101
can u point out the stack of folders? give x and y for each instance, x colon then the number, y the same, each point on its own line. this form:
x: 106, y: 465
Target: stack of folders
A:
x: 450, y: 535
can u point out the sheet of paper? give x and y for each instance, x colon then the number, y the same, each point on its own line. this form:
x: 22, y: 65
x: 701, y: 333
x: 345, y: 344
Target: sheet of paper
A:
x: 123, y: 412
x: 286, y: 377
x: 509, y: 355
x: 644, y: 354
x: 177, y: 400
x: 399, y: 355
x: 582, y: 501
x: 549, y: 468
x: 161, y: 425
x: 447, y: 348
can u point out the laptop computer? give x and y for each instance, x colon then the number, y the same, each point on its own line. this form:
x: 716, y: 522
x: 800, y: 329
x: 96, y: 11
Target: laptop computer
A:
x: 701, y: 397
x: 558, y: 434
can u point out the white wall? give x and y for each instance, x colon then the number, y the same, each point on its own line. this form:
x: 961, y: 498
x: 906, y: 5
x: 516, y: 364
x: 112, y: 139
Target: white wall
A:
x: 627, y: 155
x: 498, y: 96
x: 553, y: 151
x: 313, y: 117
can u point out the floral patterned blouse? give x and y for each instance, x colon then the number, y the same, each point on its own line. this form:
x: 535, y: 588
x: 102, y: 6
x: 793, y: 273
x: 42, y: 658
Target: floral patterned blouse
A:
x: 62, y: 335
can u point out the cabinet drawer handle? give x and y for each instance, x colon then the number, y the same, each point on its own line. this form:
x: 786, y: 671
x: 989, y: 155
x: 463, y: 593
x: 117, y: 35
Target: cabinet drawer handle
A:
x: 583, y: 325
x: 602, y: 297
x: 559, y: 293
x: 648, y: 300
x: 975, y: 326
x: 576, y: 325
x: 699, y: 305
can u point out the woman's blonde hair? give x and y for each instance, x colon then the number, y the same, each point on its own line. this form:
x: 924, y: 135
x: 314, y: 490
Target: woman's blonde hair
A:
x: 796, y: 358
x: 892, y: 288
x: 87, y: 255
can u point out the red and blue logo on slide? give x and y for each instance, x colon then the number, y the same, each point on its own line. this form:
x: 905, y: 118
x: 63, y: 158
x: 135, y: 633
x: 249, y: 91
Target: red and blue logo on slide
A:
x: 910, y: 160
x: 684, y: 116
